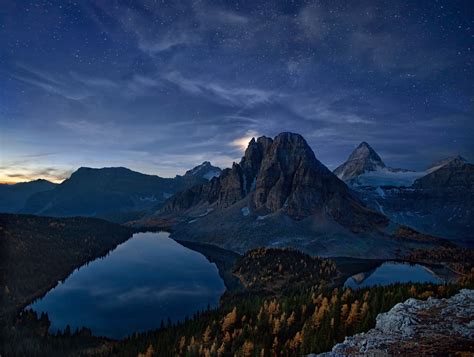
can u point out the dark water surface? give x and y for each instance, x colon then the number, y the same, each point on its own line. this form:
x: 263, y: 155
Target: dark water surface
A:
x: 393, y: 272
x: 143, y: 281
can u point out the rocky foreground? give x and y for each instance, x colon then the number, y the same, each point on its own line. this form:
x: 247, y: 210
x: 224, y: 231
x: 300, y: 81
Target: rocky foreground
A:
x: 438, y: 327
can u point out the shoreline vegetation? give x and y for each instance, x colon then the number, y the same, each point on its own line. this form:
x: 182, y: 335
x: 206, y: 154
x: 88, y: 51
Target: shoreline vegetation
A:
x: 277, y: 300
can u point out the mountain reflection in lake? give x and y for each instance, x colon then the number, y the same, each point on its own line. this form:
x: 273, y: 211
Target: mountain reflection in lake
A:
x: 391, y: 273
x: 143, y: 281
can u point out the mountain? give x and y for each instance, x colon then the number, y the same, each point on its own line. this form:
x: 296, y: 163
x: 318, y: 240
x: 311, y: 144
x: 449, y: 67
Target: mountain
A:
x: 440, y: 203
x: 205, y: 170
x: 13, y: 197
x: 280, y: 195
x: 113, y: 193
x: 361, y: 160
x: 449, y: 161
x: 364, y: 167
x: 454, y: 174
x: 279, y: 175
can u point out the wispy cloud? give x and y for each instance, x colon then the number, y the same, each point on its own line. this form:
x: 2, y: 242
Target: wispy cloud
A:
x: 233, y: 95
x: 49, y: 83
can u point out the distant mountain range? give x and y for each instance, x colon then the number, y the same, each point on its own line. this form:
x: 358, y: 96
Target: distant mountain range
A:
x: 14, y: 197
x: 115, y: 193
x: 438, y: 201
x: 281, y: 195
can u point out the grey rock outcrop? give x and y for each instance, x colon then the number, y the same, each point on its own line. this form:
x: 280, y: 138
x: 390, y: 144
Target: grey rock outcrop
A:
x: 414, y: 328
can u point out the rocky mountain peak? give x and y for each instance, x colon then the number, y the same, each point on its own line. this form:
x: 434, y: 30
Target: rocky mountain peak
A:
x: 204, y: 170
x: 452, y: 161
x: 362, y: 159
x: 280, y: 174
x: 365, y: 153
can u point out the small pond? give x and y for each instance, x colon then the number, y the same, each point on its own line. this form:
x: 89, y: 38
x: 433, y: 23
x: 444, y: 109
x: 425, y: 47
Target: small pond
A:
x: 391, y: 273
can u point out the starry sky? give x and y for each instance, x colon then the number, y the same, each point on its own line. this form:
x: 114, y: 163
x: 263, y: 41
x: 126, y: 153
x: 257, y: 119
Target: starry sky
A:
x: 160, y: 86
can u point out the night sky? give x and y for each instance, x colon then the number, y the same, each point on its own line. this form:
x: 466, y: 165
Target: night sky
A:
x: 160, y: 86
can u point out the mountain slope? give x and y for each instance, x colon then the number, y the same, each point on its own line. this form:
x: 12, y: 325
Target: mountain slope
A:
x: 107, y: 191
x: 37, y: 252
x: 450, y: 161
x: 440, y: 203
x: 13, y: 197
x: 280, y: 195
x: 456, y: 174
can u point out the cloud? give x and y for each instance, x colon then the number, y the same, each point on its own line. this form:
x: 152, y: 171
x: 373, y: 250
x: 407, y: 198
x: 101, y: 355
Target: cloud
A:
x: 28, y: 172
x: 233, y: 95
x: 166, y: 42
x: 311, y: 22
x: 243, y: 142
x: 50, y: 83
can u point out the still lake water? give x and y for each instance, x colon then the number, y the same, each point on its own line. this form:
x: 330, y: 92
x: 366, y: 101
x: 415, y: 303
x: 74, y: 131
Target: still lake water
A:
x: 391, y: 273
x: 145, y: 280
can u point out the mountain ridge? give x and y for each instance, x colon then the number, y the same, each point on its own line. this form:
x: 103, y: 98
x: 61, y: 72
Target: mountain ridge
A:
x: 104, y: 192
x: 280, y: 195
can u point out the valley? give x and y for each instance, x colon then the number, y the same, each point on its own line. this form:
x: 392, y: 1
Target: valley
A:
x: 276, y: 255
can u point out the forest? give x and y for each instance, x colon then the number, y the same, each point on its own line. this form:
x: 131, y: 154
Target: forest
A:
x: 296, y: 324
x: 284, y: 302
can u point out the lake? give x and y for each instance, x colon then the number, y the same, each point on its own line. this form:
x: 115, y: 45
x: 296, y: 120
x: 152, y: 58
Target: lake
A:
x: 145, y: 280
x: 391, y: 273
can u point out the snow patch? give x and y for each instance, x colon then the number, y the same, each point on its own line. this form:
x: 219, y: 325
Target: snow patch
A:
x: 380, y: 191
x: 211, y: 174
x: 209, y: 210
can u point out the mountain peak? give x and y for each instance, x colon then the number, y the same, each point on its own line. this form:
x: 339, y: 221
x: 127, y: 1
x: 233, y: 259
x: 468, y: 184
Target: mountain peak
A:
x: 363, y: 159
x: 204, y: 170
x: 278, y: 175
x: 453, y: 161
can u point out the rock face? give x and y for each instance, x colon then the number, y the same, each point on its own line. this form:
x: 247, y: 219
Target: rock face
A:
x: 284, y: 175
x: 438, y: 327
x: 363, y: 159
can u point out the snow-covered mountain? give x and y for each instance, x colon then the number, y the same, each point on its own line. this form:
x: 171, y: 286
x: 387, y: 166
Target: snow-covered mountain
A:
x: 280, y: 194
x: 363, y: 159
x: 449, y: 161
x: 205, y: 170
x: 364, y: 167
x: 440, y: 203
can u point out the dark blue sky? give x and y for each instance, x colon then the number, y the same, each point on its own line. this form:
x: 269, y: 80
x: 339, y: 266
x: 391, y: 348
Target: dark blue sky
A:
x: 159, y: 86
